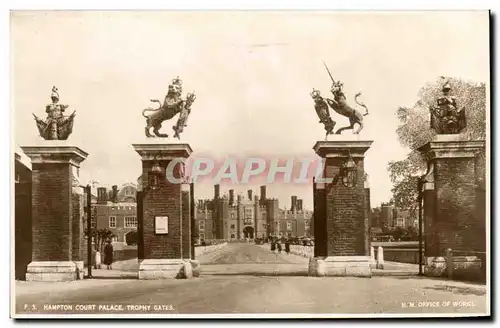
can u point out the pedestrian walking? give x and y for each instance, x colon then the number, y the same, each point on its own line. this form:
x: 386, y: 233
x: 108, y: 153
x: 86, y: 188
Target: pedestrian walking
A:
x: 273, y: 246
x: 287, y: 246
x: 279, y: 246
x: 108, y: 255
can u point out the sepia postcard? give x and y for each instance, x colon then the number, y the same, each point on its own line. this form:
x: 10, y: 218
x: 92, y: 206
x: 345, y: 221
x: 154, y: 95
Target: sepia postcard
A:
x: 250, y: 164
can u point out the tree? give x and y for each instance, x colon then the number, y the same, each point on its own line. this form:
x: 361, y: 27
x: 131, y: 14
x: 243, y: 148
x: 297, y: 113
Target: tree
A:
x: 414, y: 131
x: 99, y: 237
x: 412, y: 233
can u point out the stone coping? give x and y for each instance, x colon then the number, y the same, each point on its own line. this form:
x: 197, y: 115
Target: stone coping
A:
x: 342, y: 148
x: 55, y: 153
x: 162, y: 151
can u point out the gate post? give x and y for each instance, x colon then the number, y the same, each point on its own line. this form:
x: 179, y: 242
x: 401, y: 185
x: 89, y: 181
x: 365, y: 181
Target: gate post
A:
x: 344, y: 210
x: 57, y: 209
x: 165, y: 225
x: 450, y: 205
x: 193, y: 221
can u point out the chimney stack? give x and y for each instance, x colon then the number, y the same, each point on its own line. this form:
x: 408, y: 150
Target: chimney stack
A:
x: 293, y: 206
x: 239, y: 198
x: 216, y: 191
x: 249, y: 191
x: 102, y: 195
x: 262, y: 195
x: 299, y: 205
x: 114, y: 194
x: 231, y: 197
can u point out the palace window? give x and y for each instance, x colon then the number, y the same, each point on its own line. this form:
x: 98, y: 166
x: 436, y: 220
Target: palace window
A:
x: 232, y: 236
x: 248, y: 212
x: 289, y: 226
x: 130, y: 222
x: 112, y: 221
x: 201, y: 225
x: 232, y: 226
x: 306, y: 223
x: 202, y: 236
x: 114, y: 239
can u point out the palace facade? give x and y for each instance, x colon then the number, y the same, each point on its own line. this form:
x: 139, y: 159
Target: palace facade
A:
x: 248, y: 216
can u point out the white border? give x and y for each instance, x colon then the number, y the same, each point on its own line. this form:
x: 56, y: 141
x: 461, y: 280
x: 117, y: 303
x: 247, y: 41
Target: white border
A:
x: 195, y: 5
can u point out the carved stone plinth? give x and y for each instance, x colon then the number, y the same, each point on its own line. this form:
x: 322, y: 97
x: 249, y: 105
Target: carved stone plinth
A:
x: 53, y: 271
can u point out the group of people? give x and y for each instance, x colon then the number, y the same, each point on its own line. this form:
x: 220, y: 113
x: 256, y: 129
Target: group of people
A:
x: 276, y: 245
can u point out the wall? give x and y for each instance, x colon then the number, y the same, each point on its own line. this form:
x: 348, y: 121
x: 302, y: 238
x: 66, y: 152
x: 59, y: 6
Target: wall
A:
x: 22, y: 225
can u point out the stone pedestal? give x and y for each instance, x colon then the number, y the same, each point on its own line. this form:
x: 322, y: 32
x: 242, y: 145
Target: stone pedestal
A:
x: 450, y: 205
x: 341, y: 209
x: 164, y: 253
x: 57, y: 212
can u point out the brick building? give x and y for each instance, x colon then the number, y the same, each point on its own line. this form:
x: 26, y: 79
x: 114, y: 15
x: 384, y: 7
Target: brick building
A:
x: 387, y: 216
x: 404, y: 219
x: 247, y: 216
x: 116, y: 210
x: 392, y: 217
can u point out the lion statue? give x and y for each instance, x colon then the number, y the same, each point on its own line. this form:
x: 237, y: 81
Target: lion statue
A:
x: 172, y: 105
x: 339, y: 105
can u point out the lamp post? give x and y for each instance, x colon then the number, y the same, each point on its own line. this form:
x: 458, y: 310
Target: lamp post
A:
x: 88, y: 192
x: 349, y: 172
x: 154, y: 176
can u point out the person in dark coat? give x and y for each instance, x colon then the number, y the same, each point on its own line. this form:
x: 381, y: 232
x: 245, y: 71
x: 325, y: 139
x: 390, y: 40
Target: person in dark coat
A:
x: 273, y: 246
x: 287, y: 246
x: 279, y: 246
x: 108, y: 255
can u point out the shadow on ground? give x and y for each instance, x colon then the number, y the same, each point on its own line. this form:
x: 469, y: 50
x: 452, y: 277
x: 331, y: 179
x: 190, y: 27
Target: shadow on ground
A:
x: 128, y: 277
x: 458, y: 290
x: 469, y: 282
x: 258, y: 274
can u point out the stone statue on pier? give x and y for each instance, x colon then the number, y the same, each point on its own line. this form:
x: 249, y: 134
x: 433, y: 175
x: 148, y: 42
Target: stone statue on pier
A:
x: 323, y: 113
x: 340, y: 106
x: 446, y: 118
x: 56, y: 126
x: 172, y: 105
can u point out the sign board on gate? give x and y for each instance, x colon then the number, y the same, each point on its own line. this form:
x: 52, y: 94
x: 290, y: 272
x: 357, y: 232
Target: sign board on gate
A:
x: 161, y: 225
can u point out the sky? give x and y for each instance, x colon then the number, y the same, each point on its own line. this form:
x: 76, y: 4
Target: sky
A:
x: 252, y: 73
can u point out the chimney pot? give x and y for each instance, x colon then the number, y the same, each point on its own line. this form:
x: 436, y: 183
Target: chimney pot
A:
x: 216, y: 191
x: 114, y: 194
x: 263, y: 195
x: 231, y: 197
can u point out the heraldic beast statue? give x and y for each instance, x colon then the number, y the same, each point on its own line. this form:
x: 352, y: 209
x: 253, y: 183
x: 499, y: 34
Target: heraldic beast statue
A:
x: 56, y: 126
x: 172, y: 105
x: 340, y: 106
